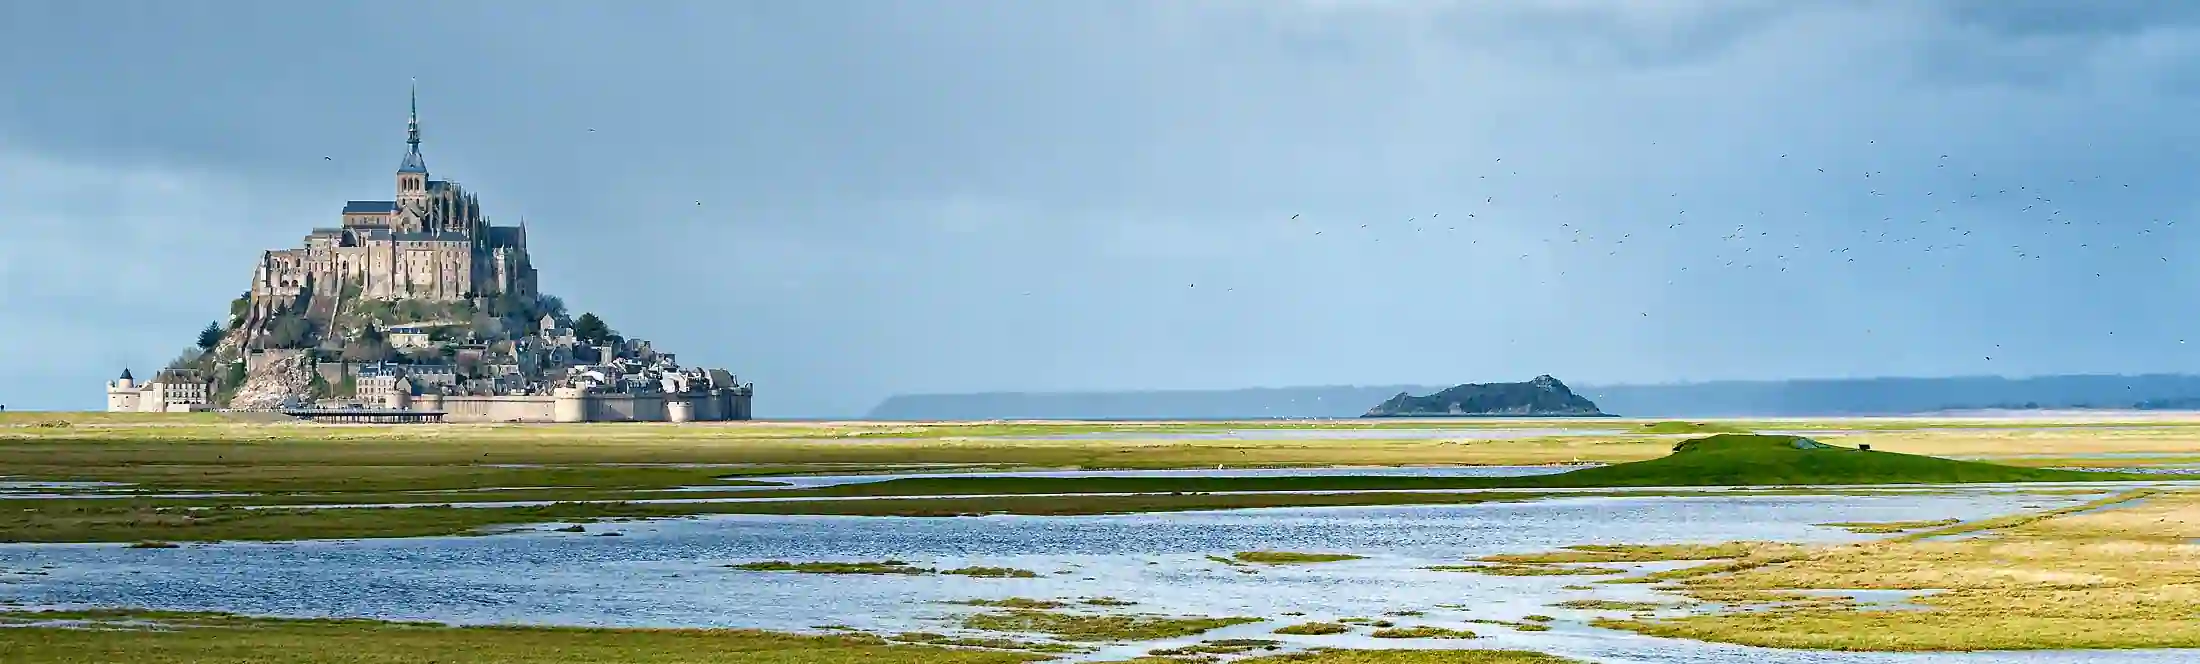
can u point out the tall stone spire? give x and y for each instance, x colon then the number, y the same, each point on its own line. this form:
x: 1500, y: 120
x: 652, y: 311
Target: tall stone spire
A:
x: 413, y: 163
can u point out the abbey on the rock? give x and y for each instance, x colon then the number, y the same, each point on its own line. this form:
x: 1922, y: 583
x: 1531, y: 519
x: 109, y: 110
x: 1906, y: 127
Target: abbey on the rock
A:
x: 419, y: 306
x: 432, y: 243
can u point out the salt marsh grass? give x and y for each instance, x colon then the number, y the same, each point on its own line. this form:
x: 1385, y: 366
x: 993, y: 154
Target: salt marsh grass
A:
x: 2118, y: 573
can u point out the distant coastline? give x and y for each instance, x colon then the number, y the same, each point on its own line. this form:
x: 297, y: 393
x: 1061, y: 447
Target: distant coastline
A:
x: 1836, y: 397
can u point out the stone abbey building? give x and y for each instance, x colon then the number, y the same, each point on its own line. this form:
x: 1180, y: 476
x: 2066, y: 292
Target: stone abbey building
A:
x: 419, y: 307
x: 430, y: 243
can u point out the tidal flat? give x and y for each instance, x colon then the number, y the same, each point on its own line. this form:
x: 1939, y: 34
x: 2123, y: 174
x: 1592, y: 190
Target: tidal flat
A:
x: 671, y: 574
x: 2115, y: 573
x: 1083, y: 542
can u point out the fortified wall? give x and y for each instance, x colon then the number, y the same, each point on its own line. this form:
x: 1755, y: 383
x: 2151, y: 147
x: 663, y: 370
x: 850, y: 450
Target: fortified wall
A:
x: 574, y: 404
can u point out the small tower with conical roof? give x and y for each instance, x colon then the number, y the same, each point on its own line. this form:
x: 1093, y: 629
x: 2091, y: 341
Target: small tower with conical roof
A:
x: 124, y: 395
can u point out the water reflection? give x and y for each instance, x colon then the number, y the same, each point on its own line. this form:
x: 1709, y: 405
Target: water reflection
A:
x: 668, y: 573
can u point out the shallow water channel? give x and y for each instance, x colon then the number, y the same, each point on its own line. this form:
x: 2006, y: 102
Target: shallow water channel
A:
x: 1324, y: 433
x: 668, y: 573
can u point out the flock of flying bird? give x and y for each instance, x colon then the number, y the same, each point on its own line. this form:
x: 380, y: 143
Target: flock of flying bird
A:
x: 1768, y: 243
x: 1918, y: 219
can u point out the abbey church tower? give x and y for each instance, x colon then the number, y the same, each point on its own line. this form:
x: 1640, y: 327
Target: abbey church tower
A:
x: 412, y: 177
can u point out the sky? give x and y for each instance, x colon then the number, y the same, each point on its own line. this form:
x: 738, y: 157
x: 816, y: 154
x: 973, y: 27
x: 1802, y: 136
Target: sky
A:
x: 841, y: 201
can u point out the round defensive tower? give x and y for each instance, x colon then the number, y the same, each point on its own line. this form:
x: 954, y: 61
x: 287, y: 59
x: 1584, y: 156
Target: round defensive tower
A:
x: 400, y: 396
x: 569, y: 404
x: 679, y: 408
x: 122, y: 394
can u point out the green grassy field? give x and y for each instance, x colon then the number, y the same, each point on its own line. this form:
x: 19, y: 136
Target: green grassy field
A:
x: 2068, y: 577
x: 211, y: 639
x: 193, y: 638
x: 2112, y: 573
x: 1720, y: 459
x: 597, y: 466
x: 208, y: 452
x: 35, y: 521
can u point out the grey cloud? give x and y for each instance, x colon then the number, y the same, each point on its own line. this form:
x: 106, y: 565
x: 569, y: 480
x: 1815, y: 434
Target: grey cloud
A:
x: 2094, y: 18
x: 881, y: 188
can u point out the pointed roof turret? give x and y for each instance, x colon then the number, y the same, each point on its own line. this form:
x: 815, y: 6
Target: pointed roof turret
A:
x: 413, y: 163
x: 126, y: 374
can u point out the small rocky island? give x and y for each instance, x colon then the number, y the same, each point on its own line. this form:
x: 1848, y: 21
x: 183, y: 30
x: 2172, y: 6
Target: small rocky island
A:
x: 1542, y: 397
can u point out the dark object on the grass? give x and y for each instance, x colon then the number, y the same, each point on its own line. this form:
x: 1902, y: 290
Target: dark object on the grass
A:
x: 1865, y: 447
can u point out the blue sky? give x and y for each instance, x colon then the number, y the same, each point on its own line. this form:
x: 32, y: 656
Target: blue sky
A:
x: 845, y: 200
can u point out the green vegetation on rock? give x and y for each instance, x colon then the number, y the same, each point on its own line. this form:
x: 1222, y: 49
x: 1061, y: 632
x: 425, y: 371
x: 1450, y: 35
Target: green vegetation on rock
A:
x: 1290, y: 557
x: 992, y: 572
x: 1218, y: 647
x: 1761, y: 460
x: 1332, y: 656
x: 1099, y: 627
x: 880, y: 567
x: 1672, y: 426
x: 1883, y: 527
x: 108, y: 636
x: 935, y: 639
x: 1543, y: 396
x: 1611, y: 605
x: 1016, y: 603
x: 1717, y: 460
x: 1528, y: 570
x: 1422, y: 632
x: 1314, y: 629
x: 1639, y: 553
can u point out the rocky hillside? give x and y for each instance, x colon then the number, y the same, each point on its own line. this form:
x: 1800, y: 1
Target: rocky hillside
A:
x: 283, y: 379
x: 1543, y: 397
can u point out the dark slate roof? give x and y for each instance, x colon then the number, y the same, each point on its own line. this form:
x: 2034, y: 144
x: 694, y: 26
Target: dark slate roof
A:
x: 429, y: 237
x: 438, y: 185
x: 505, y: 236
x: 370, y: 207
x: 321, y: 232
x: 413, y: 163
x: 126, y: 375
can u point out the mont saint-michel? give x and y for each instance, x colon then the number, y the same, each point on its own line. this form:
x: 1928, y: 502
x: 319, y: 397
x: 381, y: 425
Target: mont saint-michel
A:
x: 419, y: 308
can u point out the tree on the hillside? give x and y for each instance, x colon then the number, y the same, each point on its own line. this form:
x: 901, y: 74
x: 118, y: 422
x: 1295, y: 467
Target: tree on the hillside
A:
x: 591, y: 329
x: 469, y: 366
x: 367, y: 350
x: 185, y: 359
x: 550, y: 304
x: 487, y: 327
x: 412, y: 311
x: 239, y: 307
x: 289, y: 331
x: 211, y: 336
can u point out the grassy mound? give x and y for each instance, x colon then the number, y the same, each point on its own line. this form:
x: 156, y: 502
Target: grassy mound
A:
x: 1761, y: 460
x: 1674, y: 426
x: 1290, y: 557
x: 1715, y: 460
